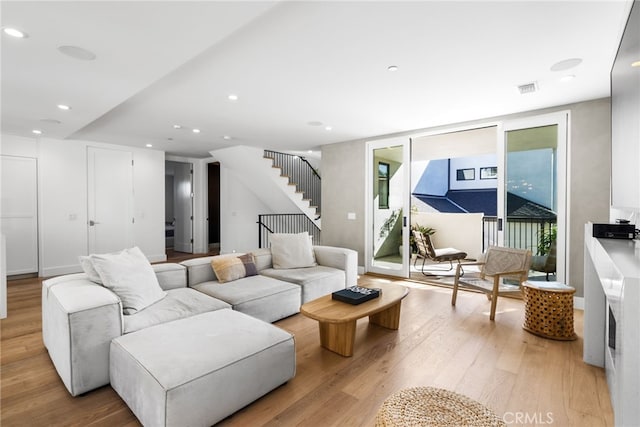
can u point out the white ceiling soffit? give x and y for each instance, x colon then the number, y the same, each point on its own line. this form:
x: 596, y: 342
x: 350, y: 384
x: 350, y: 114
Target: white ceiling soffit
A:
x: 473, y: 142
x: 297, y: 67
x: 136, y: 43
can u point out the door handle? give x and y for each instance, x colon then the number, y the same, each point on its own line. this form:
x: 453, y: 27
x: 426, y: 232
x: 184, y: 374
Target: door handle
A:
x: 92, y: 223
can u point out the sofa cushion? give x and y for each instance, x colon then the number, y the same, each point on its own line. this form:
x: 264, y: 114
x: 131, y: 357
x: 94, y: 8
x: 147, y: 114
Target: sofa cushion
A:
x: 231, y: 267
x: 178, y: 304
x: 130, y: 276
x: 199, y: 270
x: 292, y: 250
x: 170, y: 275
x: 314, y: 281
x: 89, y: 270
x: 262, y: 297
x: 262, y: 258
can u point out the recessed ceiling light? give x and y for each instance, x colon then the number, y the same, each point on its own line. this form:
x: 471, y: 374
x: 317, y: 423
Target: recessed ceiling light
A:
x: 64, y: 107
x: 566, y: 64
x: 392, y: 68
x: 328, y: 128
x: 195, y: 130
x: 37, y: 131
x: 149, y: 145
x: 14, y: 32
x: 233, y: 97
x: 227, y: 137
x: 77, y: 53
x: 567, y: 78
x: 635, y: 64
x: 310, y: 151
x: 177, y: 126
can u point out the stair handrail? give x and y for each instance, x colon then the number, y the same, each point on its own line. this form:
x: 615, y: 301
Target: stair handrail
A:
x: 306, y: 183
x: 304, y: 159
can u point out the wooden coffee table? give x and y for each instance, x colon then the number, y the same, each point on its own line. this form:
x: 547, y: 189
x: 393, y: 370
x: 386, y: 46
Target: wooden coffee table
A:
x: 337, y: 319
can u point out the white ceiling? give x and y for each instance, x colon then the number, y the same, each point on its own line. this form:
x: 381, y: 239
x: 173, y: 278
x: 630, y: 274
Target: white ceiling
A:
x: 160, y: 63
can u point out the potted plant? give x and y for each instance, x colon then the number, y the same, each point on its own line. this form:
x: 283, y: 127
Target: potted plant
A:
x: 545, y: 238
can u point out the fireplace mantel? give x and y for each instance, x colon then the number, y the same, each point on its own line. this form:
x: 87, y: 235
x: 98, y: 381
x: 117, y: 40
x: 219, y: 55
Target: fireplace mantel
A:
x: 612, y: 319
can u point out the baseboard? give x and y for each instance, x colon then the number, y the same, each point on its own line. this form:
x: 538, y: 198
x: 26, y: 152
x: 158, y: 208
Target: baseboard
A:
x: 360, y: 270
x: 578, y: 303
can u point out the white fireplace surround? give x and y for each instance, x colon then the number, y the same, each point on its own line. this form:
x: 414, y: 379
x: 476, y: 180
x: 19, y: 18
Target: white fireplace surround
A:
x: 612, y: 291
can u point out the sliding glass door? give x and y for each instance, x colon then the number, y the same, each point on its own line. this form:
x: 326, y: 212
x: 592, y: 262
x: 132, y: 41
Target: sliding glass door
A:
x: 532, y: 200
x: 387, y: 238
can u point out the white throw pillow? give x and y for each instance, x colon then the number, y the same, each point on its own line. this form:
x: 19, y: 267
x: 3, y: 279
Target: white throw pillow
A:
x: 292, y: 250
x: 130, y: 276
x: 89, y: 270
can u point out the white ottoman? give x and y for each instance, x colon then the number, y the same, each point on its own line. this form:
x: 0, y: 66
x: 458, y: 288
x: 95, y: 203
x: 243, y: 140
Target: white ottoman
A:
x: 199, y: 370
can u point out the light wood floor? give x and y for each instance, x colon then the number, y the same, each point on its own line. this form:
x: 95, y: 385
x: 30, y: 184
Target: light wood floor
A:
x: 495, y: 363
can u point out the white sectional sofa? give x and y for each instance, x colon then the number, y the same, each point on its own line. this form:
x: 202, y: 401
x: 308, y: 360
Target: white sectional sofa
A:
x: 274, y: 294
x: 81, y: 319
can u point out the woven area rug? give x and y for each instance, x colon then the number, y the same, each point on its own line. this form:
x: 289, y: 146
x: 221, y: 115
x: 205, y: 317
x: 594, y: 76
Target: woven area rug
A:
x: 429, y: 406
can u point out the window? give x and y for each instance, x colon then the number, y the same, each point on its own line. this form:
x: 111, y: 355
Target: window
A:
x: 465, y: 174
x: 383, y: 185
x: 489, y: 172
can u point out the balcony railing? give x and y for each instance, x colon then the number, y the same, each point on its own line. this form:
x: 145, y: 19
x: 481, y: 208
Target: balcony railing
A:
x: 521, y: 233
x: 285, y: 223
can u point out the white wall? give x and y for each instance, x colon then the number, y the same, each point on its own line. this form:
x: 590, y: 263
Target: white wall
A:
x: 62, y: 200
x: 148, y: 203
x: 239, y: 210
x: 461, y: 231
x: 475, y: 163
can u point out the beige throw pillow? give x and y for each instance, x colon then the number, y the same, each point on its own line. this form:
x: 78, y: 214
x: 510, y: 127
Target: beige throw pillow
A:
x: 129, y: 275
x: 292, y: 251
x: 232, y: 267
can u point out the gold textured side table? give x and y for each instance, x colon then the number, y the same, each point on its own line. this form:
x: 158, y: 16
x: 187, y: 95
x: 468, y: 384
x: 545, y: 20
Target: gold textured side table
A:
x: 548, y: 310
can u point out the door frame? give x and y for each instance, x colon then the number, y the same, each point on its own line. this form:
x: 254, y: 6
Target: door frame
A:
x: 405, y: 142
x: 191, y: 205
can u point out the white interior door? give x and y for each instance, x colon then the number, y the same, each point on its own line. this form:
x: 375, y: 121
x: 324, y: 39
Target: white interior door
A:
x: 110, y: 198
x: 387, y: 248
x: 19, y: 214
x: 183, y: 207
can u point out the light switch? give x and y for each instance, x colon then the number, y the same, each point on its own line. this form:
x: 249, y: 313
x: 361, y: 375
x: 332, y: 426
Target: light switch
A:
x: 351, y: 215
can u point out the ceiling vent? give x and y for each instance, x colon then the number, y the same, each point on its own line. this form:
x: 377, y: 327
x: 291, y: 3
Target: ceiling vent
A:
x: 528, y: 88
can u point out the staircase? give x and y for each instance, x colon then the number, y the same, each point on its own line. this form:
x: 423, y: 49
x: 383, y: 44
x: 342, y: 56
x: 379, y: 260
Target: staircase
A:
x: 269, y: 183
x: 300, y: 173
